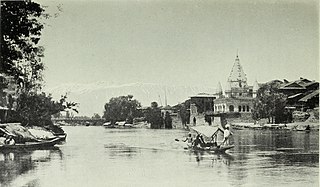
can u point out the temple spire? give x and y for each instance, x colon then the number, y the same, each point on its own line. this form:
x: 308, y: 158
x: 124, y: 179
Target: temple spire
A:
x: 237, y: 76
x: 219, y: 89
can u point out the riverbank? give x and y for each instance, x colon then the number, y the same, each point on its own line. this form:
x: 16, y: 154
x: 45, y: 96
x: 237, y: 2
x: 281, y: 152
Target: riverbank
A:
x: 287, y: 126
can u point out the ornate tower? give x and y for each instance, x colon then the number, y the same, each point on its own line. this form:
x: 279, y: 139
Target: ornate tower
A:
x: 219, y: 91
x: 255, y: 89
x: 237, y: 81
x: 237, y: 77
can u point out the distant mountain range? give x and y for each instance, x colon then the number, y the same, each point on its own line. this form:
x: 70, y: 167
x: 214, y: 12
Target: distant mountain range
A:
x: 92, y: 97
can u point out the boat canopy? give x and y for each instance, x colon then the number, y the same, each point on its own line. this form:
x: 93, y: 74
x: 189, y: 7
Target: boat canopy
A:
x: 208, y: 131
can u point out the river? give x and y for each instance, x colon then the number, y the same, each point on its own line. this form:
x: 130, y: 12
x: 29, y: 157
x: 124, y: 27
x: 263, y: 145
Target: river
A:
x: 96, y: 156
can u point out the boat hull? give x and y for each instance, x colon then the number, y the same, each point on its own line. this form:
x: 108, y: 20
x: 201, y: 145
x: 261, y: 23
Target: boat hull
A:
x: 214, y: 149
x: 31, y: 145
x: 218, y: 149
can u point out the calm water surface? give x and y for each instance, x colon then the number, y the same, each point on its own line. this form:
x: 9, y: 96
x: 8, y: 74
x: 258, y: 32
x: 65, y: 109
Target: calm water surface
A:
x: 95, y: 156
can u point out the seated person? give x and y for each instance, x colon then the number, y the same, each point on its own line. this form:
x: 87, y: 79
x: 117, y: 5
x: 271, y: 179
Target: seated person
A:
x: 197, y: 141
x: 202, y: 142
x: 3, y: 139
x: 10, y: 140
x: 213, y: 141
x: 189, y: 138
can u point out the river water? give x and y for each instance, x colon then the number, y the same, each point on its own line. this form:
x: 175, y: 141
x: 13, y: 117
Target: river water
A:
x: 96, y: 156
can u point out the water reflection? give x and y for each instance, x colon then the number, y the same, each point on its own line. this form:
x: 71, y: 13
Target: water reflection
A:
x: 95, y: 156
x: 269, y: 140
x: 16, y: 163
x: 296, y: 158
x: 212, y: 157
x: 116, y: 150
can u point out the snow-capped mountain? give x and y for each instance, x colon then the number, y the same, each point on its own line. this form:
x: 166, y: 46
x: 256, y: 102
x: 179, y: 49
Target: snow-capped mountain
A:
x: 92, y: 97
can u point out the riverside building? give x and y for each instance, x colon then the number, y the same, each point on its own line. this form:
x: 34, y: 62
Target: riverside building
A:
x: 237, y: 100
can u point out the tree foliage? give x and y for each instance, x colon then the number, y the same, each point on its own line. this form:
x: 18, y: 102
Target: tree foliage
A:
x: 153, y: 116
x: 20, y: 35
x: 21, y: 67
x: 37, y: 109
x: 183, y: 111
x: 167, y: 121
x: 121, y: 108
x: 270, y: 103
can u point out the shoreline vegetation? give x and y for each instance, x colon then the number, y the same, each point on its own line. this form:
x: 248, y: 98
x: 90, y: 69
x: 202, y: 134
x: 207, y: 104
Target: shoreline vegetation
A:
x: 23, y: 104
x: 22, y: 101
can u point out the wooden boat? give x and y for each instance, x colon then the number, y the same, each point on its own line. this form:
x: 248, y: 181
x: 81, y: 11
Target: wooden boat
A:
x: 209, y: 132
x: 31, y: 145
x: 216, y: 149
x: 118, y: 125
x: 302, y: 128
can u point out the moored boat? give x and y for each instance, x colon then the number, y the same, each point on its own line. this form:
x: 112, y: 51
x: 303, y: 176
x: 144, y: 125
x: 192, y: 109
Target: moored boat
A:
x: 118, y: 125
x: 31, y: 145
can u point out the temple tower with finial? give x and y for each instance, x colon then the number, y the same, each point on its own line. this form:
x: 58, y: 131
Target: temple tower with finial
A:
x: 237, y: 80
x: 239, y: 96
x: 219, y: 91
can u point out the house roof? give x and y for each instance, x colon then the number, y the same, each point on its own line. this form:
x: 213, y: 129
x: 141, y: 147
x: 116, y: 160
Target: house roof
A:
x: 293, y: 85
x: 309, y: 96
x: 300, y: 84
x: 204, y: 95
x: 295, y: 95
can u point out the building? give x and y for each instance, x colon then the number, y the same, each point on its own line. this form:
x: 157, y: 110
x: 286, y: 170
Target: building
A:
x: 237, y: 102
x: 201, y: 108
x: 302, y: 94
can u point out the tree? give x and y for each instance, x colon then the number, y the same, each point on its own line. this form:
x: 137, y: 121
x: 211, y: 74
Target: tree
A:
x: 121, y: 108
x: 20, y: 33
x: 36, y: 109
x: 96, y: 116
x: 183, y: 110
x: 153, y: 116
x: 270, y: 103
x: 167, y: 121
x: 21, y: 67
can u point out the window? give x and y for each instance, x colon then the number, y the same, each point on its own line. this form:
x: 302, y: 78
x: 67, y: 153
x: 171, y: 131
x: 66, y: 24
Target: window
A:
x: 231, y: 108
x: 239, y: 108
x: 248, y: 109
x: 243, y: 108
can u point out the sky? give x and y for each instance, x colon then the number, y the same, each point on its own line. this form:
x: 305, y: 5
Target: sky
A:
x: 179, y: 42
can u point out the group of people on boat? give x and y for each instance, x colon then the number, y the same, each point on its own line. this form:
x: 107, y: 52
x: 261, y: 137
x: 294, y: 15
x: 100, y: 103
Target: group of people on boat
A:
x: 6, y: 140
x: 199, y: 141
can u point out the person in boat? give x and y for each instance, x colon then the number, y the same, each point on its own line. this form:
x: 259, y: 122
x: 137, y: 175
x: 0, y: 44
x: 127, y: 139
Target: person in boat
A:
x: 226, y: 135
x: 189, y: 138
x: 308, y: 128
x: 3, y: 139
x: 10, y: 140
x: 199, y: 141
x: 213, y: 141
x: 202, y: 143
